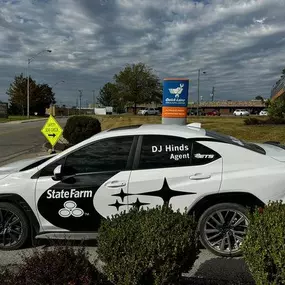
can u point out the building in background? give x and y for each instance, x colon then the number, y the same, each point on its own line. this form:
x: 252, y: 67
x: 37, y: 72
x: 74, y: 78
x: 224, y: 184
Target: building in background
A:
x: 278, y: 89
x: 227, y: 107
x: 68, y: 111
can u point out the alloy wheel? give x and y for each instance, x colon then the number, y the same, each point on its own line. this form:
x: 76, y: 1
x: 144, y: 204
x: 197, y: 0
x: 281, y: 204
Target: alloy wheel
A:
x: 225, y: 230
x: 11, y: 229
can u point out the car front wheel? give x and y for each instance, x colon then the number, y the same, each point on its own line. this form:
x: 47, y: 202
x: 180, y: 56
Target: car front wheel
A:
x: 14, y: 227
x: 223, y: 228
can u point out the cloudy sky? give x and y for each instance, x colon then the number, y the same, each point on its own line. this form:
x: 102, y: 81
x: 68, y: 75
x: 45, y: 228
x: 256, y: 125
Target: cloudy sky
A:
x: 239, y: 43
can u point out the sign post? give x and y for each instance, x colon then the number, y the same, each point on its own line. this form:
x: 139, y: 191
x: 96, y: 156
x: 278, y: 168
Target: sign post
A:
x: 175, y: 101
x: 52, y: 131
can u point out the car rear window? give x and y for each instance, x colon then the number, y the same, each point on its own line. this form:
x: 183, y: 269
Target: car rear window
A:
x: 235, y: 141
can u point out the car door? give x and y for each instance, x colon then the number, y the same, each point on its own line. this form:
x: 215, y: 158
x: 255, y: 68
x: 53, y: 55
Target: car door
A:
x: 94, y: 178
x: 173, y: 170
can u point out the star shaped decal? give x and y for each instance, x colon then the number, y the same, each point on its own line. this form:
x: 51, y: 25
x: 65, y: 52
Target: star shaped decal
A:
x: 166, y: 193
x: 138, y: 204
x: 122, y: 195
x: 117, y: 205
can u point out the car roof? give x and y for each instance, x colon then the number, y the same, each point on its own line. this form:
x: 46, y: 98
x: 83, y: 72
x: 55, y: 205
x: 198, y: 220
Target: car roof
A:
x: 193, y: 130
x: 190, y: 130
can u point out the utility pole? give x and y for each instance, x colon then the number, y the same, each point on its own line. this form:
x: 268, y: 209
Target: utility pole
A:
x: 198, y: 103
x: 93, y: 98
x: 213, y: 94
x: 199, y: 72
x: 80, y: 96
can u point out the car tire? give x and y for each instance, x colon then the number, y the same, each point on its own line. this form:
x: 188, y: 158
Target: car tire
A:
x: 16, y: 226
x: 222, y: 228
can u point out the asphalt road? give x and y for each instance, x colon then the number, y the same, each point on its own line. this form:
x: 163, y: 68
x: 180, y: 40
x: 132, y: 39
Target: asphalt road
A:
x: 18, y: 139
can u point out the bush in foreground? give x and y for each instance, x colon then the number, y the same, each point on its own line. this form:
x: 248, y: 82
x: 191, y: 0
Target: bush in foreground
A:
x: 80, y: 128
x: 263, y: 248
x: 61, y: 265
x: 148, y: 246
x: 267, y: 121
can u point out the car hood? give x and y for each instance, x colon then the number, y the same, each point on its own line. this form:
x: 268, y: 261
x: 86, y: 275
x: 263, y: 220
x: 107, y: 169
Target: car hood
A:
x: 276, y: 151
x: 13, y: 167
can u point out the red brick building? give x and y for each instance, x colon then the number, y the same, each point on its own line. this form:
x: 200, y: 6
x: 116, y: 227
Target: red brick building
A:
x: 228, y: 106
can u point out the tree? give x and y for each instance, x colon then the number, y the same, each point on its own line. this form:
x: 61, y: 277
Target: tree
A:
x: 277, y: 108
x: 259, y: 98
x: 41, y: 96
x: 137, y: 84
x: 108, y: 95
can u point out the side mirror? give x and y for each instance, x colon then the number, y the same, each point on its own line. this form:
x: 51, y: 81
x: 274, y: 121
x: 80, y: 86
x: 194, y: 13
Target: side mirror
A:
x: 57, y: 174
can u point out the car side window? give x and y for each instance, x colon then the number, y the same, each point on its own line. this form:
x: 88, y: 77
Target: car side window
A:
x: 105, y: 155
x: 159, y: 151
x: 202, y: 154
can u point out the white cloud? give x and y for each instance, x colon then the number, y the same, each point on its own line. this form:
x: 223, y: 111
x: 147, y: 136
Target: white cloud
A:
x: 240, y: 43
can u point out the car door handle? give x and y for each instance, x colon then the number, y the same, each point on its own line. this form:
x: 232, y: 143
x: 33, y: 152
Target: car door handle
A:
x: 200, y: 176
x: 115, y: 184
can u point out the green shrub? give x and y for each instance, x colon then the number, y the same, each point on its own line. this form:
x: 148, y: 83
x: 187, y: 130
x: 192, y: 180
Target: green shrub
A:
x: 252, y: 121
x: 267, y: 121
x: 147, y: 246
x: 61, y: 265
x: 275, y: 121
x: 277, y: 108
x: 80, y: 128
x: 263, y: 247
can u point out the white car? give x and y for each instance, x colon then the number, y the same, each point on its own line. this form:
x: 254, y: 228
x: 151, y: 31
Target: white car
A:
x: 212, y: 175
x: 148, y: 111
x: 241, y: 112
x: 263, y: 113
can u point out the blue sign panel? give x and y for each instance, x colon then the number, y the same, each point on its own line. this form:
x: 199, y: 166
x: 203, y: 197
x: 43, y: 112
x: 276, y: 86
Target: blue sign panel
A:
x: 175, y: 92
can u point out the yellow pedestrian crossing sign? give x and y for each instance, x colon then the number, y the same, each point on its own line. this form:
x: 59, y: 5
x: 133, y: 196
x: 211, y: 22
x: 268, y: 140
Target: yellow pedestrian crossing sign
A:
x: 52, y: 130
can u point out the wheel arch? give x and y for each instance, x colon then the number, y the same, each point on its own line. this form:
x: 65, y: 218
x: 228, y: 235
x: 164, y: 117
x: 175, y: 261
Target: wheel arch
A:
x: 243, y: 198
x: 19, y: 201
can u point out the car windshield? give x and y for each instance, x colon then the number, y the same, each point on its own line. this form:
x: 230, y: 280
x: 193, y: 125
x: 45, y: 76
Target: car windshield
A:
x: 235, y: 141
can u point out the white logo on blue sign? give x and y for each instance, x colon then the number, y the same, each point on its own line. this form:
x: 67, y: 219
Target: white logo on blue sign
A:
x: 175, y: 93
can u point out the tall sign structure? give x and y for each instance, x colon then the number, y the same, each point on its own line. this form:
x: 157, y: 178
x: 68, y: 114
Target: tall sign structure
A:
x: 175, y: 101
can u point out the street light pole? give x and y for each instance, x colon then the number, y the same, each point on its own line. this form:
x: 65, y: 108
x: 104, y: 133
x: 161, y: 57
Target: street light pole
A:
x: 198, y: 103
x: 28, y: 80
x: 28, y: 90
x: 93, y: 98
x: 199, y: 72
x: 62, y: 81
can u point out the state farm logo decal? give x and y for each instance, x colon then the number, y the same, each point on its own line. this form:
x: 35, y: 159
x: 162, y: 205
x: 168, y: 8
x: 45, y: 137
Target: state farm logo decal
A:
x: 69, y: 194
x: 70, y: 209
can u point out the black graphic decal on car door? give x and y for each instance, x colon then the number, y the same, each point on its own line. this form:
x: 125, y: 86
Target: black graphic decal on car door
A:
x: 70, y: 205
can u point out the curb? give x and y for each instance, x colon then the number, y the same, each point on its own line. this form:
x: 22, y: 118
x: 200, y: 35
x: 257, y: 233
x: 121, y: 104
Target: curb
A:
x: 24, y: 121
x: 30, y: 121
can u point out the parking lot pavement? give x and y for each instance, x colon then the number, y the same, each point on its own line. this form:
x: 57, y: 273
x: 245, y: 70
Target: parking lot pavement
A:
x: 18, y: 139
x: 207, y: 266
